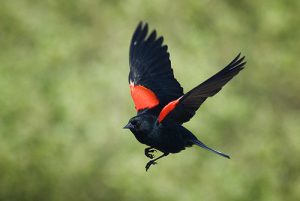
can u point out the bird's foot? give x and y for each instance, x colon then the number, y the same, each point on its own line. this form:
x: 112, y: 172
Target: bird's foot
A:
x: 148, y: 152
x: 152, y: 162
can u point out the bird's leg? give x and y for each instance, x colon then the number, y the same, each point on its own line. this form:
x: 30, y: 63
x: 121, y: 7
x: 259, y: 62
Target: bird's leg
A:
x: 152, y: 162
x: 148, y: 151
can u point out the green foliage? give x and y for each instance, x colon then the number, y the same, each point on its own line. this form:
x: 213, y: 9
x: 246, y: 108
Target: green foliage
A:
x: 65, y: 98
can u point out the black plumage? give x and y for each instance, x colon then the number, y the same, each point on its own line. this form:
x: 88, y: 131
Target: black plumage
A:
x: 150, y: 65
x: 161, y: 106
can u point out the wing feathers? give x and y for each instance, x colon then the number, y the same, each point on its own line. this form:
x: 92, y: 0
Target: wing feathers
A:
x: 150, y: 65
x: 191, y: 101
x: 154, y: 82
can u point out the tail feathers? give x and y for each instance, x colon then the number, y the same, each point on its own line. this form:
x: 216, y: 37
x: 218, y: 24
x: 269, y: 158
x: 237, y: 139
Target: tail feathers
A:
x: 200, y: 144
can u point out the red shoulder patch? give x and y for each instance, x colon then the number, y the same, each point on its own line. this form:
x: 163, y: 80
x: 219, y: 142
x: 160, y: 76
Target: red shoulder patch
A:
x: 142, y: 97
x: 167, y: 109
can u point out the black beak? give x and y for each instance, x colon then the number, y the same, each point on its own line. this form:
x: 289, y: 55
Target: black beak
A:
x: 128, y: 126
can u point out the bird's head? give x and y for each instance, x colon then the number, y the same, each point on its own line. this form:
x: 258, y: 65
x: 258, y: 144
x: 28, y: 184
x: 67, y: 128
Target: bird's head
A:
x: 140, y: 124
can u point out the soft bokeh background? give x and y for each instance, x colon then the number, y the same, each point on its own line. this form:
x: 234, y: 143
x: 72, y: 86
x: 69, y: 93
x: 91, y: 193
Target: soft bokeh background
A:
x: 64, y: 99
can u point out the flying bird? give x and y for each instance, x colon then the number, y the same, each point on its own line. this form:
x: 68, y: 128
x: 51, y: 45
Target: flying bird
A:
x: 161, y: 105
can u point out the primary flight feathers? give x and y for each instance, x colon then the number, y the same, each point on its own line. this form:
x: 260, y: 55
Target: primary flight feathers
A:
x: 150, y: 67
x: 161, y: 105
x: 154, y: 87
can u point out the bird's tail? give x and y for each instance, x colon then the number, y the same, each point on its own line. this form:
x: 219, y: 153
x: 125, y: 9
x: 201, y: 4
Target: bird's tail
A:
x: 200, y: 144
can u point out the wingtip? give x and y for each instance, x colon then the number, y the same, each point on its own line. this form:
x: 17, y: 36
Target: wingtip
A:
x: 145, y: 26
x: 237, y: 62
x: 140, y: 23
x: 242, y: 58
x: 142, y: 26
x: 238, y: 57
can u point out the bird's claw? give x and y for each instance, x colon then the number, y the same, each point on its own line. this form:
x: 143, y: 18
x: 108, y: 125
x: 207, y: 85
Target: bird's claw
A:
x: 149, y: 164
x: 151, y: 156
x: 148, y: 153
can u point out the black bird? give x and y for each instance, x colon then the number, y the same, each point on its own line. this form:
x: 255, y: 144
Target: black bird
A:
x: 161, y: 105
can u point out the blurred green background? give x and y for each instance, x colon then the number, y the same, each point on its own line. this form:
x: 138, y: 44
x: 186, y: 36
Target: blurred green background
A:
x: 64, y: 99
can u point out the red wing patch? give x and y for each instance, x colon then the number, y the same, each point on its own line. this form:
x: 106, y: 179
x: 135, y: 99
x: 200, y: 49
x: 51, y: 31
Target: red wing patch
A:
x: 167, y: 109
x: 142, y: 97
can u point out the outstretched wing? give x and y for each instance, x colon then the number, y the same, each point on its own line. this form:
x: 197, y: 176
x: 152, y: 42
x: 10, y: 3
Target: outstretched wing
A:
x: 151, y: 77
x: 184, y: 108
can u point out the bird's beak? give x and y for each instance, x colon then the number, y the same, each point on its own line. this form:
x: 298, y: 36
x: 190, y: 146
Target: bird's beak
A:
x: 128, y: 126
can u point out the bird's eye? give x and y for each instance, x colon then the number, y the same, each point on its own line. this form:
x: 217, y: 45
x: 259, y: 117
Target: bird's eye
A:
x: 136, y: 124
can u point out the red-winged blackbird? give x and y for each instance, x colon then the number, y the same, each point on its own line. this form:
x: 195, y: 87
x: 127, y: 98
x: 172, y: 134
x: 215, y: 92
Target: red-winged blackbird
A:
x: 161, y: 105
